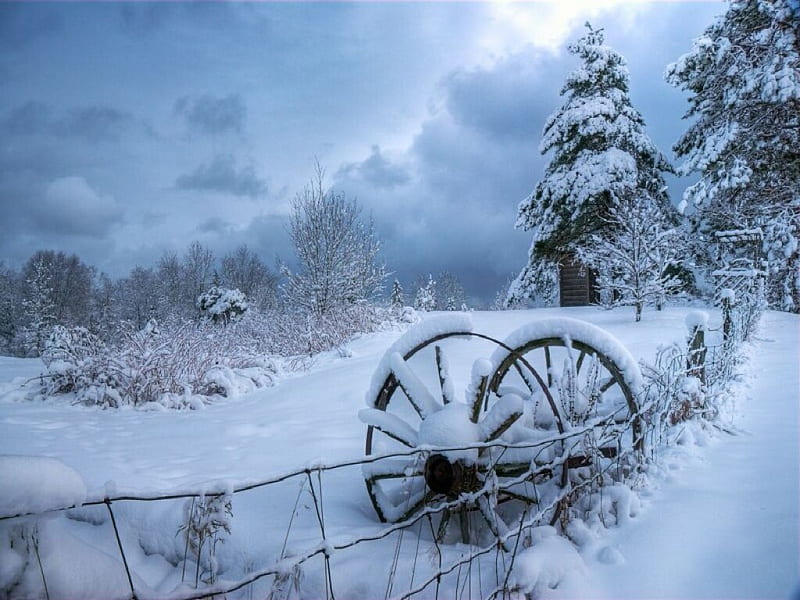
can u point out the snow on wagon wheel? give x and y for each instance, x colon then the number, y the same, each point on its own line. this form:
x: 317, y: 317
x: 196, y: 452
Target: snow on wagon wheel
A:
x: 590, y: 387
x: 412, y: 404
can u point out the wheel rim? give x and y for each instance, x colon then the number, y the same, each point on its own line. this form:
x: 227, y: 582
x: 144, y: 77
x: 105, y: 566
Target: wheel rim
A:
x: 424, y: 487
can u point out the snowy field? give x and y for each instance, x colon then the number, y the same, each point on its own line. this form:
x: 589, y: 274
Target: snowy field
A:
x: 719, y: 520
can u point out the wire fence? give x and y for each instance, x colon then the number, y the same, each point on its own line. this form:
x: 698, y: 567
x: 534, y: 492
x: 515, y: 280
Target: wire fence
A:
x: 312, y: 555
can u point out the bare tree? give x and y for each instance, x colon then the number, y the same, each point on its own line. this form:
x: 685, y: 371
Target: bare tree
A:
x: 633, y: 257
x: 242, y: 269
x: 198, y: 271
x: 337, y: 252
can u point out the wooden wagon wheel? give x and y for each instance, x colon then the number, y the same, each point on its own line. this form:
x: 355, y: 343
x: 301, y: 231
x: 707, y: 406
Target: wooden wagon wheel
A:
x: 414, y: 405
x: 593, y: 379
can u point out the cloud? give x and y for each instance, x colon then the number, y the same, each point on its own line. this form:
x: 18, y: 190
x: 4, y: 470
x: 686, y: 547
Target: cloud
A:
x: 375, y: 170
x: 92, y: 123
x: 69, y: 206
x: 221, y: 175
x: 211, y: 114
x: 506, y: 99
x: 216, y: 226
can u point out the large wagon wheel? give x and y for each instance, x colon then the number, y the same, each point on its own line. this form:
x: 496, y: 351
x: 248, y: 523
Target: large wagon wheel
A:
x: 592, y: 376
x: 412, y: 403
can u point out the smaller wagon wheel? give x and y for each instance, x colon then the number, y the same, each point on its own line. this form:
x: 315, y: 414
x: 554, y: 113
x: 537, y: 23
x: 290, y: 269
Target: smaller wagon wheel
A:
x: 593, y: 380
x: 413, y: 404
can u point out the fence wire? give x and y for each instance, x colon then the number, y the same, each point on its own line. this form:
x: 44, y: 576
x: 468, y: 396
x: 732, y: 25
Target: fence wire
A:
x: 421, y: 564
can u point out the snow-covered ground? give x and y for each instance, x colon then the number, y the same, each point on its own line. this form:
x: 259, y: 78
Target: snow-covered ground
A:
x: 720, y: 521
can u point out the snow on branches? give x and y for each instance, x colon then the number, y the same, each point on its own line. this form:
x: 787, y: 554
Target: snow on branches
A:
x: 743, y: 77
x: 600, y: 154
x: 635, y: 257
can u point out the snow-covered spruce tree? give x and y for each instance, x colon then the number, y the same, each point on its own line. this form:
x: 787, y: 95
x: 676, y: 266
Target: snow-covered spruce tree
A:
x: 634, y: 254
x: 338, y: 253
x: 600, y: 153
x: 743, y: 79
x: 396, y: 301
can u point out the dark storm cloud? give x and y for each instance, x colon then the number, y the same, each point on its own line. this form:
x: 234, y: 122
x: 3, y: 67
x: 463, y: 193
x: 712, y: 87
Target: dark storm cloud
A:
x: 216, y: 226
x: 221, y: 175
x: 92, y: 123
x: 375, y: 170
x: 506, y: 99
x: 211, y: 114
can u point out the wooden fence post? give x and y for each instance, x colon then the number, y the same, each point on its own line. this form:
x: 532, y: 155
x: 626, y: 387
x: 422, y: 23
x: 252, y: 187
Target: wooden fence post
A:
x: 696, y: 359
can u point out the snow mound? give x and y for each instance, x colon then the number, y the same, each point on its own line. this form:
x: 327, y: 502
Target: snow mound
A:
x: 33, y: 484
x: 545, y: 564
x: 427, y: 329
x: 569, y: 330
x: 696, y: 319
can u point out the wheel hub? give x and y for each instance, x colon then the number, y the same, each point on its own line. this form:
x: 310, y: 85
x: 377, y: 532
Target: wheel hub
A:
x: 450, y: 478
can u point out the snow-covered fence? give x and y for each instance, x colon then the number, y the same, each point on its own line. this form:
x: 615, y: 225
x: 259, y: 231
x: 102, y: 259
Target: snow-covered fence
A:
x: 693, y: 380
x: 286, y: 536
x: 312, y: 550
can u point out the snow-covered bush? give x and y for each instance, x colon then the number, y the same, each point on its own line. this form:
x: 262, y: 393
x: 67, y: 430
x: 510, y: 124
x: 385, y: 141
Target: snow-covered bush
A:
x: 425, y: 298
x: 175, y: 366
x: 221, y: 304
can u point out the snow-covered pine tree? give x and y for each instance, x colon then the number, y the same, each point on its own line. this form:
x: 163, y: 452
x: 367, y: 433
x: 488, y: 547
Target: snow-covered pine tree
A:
x: 600, y: 153
x: 634, y: 255
x: 743, y: 77
x: 396, y: 300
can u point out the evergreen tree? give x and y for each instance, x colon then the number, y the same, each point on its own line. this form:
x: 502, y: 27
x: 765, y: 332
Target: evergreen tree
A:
x: 600, y: 154
x: 743, y: 77
x: 396, y: 300
x: 9, y: 311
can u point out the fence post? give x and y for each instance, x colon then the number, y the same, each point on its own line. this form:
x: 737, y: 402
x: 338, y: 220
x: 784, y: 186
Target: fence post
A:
x: 727, y: 296
x: 696, y: 322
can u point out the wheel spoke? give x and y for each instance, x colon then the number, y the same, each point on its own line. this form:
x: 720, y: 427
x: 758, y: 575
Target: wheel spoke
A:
x: 579, y: 362
x: 548, y: 365
x: 416, y: 392
x: 442, y: 529
x: 496, y: 525
x: 608, y: 384
x: 389, y: 424
x: 463, y: 519
x: 443, y: 371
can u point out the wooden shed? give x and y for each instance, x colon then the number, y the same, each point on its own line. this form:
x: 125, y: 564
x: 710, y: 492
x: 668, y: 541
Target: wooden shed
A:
x: 576, y: 283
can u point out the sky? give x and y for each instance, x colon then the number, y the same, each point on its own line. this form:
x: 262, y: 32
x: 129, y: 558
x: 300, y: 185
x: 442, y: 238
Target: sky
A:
x: 131, y: 129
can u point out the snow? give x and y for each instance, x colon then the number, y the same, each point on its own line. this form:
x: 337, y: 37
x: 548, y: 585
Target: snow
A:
x: 723, y: 522
x: 451, y: 427
x: 696, y: 319
x: 717, y: 520
x: 33, y: 484
x: 546, y: 563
